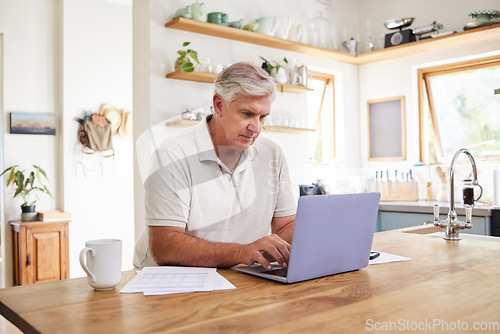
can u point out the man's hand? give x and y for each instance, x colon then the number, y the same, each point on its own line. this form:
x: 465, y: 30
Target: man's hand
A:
x: 264, y: 250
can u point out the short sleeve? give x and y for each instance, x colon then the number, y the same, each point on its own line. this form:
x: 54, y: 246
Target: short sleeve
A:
x: 167, y: 190
x: 285, y: 203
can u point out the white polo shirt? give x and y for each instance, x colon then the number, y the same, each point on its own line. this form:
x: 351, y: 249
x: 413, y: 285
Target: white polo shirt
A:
x: 190, y: 187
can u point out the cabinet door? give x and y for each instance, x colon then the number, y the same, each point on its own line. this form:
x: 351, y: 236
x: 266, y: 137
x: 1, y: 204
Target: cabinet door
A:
x: 394, y: 220
x: 45, y: 251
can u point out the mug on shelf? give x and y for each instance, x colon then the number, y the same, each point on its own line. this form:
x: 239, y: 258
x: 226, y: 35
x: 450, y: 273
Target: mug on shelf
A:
x: 238, y: 24
x: 217, y: 18
x: 104, y: 263
x: 198, y: 11
x: 267, y: 25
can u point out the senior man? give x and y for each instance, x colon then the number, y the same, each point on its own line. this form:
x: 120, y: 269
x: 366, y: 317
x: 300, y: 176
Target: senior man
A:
x: 215, y: 190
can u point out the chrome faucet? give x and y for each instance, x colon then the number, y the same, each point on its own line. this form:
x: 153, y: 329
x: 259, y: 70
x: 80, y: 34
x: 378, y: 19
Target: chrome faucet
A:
x: 452, y: 224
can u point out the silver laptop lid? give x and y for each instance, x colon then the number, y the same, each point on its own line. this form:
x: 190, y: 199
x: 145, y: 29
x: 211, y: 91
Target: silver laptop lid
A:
x: 333, y: 234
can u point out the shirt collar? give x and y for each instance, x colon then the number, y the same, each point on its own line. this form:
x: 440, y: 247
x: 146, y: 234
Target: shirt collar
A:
x: 206, y: 149
x: 203, y: 141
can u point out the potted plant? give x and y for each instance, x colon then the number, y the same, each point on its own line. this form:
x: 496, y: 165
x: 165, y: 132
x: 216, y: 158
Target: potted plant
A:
x: 274, y: 70
x: 28, y: 184
x: 186, y: 59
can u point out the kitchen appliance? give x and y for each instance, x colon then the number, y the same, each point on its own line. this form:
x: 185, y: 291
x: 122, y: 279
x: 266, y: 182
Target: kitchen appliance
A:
x: 468, y: 191
x: 495, y: 221
x: 427, y: 31
x: 401, y: 36
x: 313, y: 189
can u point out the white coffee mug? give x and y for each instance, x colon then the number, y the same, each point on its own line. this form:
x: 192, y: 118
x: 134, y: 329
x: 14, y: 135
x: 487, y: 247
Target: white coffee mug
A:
x: 104, y: 263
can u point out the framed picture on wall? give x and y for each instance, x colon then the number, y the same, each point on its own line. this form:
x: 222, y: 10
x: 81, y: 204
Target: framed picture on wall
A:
x: 387, y: 129
x: 32, y: 123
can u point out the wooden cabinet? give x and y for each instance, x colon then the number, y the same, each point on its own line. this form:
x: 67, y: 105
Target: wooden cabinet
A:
x: 41, y: 251
x: 394, y: 220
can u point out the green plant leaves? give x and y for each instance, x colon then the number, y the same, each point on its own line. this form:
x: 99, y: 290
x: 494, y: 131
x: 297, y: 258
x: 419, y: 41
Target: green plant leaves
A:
x: 28, y: 183
x: 270, y: 67
x: 193, y: 55
x: 186, y: 58
x: 187, y: 67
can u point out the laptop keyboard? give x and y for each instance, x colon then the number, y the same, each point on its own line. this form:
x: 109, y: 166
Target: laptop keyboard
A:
x: 281, y: 272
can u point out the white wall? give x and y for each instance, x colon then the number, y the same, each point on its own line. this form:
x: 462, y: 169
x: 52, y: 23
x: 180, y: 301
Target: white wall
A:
x: 97, y: 68
x: 29, y: 86
x: 63, y: 57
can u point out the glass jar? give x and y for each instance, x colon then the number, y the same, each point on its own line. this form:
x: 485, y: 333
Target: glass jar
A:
x: 319, y: 32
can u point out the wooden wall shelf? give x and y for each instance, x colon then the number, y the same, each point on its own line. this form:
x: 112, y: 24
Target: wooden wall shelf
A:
x: 462, y: 38
x: 185, y: 123
x: 467, y: 37
x: 210, y: 77
x: 211, y: 29
x: 192, y: 76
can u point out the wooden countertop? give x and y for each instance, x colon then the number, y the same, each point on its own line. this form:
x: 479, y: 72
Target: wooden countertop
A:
x: 452, y: 282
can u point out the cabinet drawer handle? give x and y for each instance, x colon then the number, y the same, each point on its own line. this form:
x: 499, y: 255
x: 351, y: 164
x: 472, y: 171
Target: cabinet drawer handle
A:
x: 28, y: 260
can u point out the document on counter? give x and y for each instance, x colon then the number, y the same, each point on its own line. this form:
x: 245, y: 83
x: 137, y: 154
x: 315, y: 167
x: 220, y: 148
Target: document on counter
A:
x: 166, y: 280
x: 386, y: 258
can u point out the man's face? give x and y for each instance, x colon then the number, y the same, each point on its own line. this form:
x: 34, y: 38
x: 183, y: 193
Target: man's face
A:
x: 242, y: 120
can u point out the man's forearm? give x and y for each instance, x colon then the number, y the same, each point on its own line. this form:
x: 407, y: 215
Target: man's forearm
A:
x: 286, y: 232
x: 283, y: 227
x: 176, y: 248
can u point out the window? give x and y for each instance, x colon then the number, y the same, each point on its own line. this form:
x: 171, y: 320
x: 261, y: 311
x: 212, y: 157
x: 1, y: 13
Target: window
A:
x: 458, y: 108
x: 322, y: 102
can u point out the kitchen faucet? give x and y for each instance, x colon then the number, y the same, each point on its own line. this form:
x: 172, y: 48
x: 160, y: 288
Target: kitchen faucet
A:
x: 452, y: 224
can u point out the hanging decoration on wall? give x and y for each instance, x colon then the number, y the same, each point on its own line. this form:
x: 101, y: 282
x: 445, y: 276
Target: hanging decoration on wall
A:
x: 121, y: 120
x: 95, y: 138
x: 125, y: 129
x: 32, y: 123
x: 113, y: 115
x: 94, y: 133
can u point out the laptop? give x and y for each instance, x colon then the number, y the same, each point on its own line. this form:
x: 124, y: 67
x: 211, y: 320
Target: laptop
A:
x: 333, y: 234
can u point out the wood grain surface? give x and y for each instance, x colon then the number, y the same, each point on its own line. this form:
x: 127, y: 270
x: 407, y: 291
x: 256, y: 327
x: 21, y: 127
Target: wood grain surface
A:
x: 445, y: 281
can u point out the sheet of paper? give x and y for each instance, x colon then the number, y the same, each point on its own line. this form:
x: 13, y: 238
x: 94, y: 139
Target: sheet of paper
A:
x: 386, y: 258
x: 172, y: 279
x: 221, y: 283
x: 166, y: 280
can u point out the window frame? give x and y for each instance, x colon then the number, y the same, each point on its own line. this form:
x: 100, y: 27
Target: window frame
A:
x: 329, y: 81
x: 424, y: 74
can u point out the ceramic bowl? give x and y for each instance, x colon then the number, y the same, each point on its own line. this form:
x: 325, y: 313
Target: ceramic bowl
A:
x: 399, y: 24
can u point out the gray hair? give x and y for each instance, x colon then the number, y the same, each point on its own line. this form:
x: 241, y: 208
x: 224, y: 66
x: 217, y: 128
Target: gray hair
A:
x: 244, y: 79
